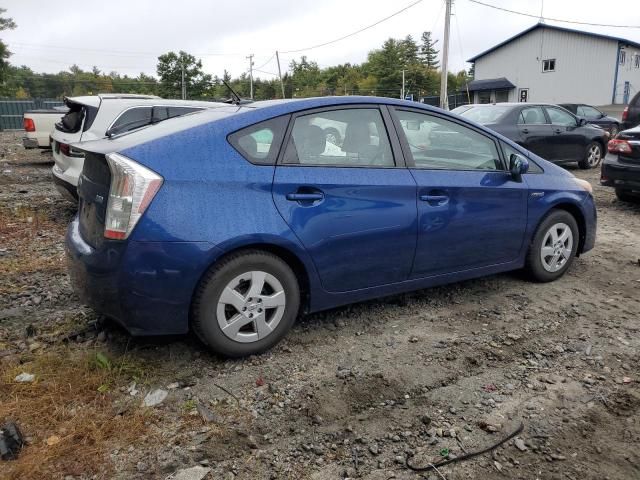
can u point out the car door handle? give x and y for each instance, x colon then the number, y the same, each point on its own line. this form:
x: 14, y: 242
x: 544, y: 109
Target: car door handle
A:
x: 305, y: 197
x: 525, y: 130
x: 558, y: 130
x: 434, y: 199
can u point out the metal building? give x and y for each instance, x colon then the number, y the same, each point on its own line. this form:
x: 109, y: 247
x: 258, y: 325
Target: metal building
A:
x: 557, y: 65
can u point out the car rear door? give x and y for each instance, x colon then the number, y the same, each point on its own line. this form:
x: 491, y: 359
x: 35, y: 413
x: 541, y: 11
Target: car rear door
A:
x: 471, y: 213
x: 567, y: 141
x: 534, y: 130
x: 353, y: 205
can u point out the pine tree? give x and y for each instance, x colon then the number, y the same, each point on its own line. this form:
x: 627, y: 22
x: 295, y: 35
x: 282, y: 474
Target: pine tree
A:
x: 428, y: 53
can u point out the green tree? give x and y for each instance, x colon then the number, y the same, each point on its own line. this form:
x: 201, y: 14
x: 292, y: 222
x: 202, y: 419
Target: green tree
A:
x: 428, y: 53
x: 6, y: 23
x: 169, y: 69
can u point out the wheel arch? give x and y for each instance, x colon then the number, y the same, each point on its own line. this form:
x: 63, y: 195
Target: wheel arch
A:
x: 575, y: 211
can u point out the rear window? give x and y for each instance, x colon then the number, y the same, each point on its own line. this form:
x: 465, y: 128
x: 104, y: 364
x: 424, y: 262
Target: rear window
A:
x: 260, y: 143
x: 486, y: 115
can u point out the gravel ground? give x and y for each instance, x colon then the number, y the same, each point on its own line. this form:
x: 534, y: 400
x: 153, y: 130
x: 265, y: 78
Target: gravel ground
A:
x: 355, y: 391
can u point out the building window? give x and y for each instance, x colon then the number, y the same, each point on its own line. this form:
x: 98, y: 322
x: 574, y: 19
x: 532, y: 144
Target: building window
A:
x: 636, y: 62
x: 549, y: 65
x: 622, y: 57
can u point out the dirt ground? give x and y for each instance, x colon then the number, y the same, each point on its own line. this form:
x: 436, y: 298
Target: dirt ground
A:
x: 352, y: 392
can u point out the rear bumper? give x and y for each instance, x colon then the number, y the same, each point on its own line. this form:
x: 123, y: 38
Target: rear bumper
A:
x: 30, y: 142
x: 146, y: 287
x: 67, y: 190
x: 617, y: 174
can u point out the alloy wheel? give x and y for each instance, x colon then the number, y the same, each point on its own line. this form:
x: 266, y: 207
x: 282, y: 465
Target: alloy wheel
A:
x: 594, y: 154
x: 557, y: 246
x: 251, y: 306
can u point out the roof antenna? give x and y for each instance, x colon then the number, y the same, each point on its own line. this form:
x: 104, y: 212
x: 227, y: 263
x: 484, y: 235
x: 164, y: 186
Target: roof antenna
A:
x: 236, y: 98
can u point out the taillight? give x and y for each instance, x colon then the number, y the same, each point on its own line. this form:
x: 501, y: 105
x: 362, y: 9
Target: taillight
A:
x: 132, y: 190
x: 69, y: 151
x: 619, y: 146
x: 625, y: 113
x: 29, y: 125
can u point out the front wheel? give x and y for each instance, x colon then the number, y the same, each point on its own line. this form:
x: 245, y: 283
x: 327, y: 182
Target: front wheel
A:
x: 246, y: 304
x: 592, y: 157
x: 554, y: 247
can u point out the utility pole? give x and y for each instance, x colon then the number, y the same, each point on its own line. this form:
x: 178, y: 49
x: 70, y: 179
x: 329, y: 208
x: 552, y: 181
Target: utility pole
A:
x: 250, y: 57
x: 184, y: 86
x: 444, y: 98
x: 402, y: 91
x: 280, y: 73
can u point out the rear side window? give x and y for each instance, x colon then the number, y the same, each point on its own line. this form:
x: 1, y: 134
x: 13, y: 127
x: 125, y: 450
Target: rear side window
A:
x: 177, y: 111
x: 532, y: 116
x: 260, y: 143
x: 131, y: 119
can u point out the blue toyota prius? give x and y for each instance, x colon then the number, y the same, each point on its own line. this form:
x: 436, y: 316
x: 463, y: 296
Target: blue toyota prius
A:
x: 236, y: 220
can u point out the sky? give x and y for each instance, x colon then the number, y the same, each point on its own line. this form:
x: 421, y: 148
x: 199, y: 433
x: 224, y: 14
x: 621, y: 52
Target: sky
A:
x: 129, y: 35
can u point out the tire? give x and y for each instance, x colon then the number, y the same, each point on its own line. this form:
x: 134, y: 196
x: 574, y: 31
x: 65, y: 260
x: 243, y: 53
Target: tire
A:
x: 592, y: 157
x: 547, y: 270
x: 250, y: 327
x: 333, y: 136
x: 626, y: 196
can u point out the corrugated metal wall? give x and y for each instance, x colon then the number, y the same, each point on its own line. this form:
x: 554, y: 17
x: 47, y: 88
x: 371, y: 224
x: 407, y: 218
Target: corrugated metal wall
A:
x: 11, y: 111
x: 585, y: 67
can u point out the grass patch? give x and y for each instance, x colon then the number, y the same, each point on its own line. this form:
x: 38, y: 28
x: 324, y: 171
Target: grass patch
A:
x: 72, y: 413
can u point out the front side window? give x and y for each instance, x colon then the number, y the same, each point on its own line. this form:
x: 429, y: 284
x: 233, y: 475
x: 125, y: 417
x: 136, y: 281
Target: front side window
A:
x: 531, y: 116
x: 549, y: 65
x: 588, y: 112
x: 131, y: 119
x: 436, y: 143
x: 561, y: 117
x: 363, y: 139
x: 259, y: 143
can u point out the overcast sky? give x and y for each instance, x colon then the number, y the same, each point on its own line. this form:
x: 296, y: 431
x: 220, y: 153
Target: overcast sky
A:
x: 127, y: 36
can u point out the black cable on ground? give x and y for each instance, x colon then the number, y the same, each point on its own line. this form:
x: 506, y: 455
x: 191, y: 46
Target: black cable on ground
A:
x: 434, y: 466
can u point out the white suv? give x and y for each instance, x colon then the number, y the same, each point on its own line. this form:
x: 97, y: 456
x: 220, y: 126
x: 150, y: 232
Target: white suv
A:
x: 106, y: 115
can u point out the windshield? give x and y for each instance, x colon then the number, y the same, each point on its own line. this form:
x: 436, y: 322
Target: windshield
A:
x: 486, y: 114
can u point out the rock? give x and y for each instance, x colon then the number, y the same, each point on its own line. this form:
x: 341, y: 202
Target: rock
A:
x: 498, y: 465
x: 426, y: 419
x: 11, y: 441
x: 25, y: 378
x: 556, y: 456
x: 374, y: 449
x: 193, y: 473
x: 414, y: 339
x: 206, y: 414
x: 317, y: 420
x: 343, y: 373
x: 52, y: 440
x: 142, y: 467
x: 519, y: 443
x: 155, y: 397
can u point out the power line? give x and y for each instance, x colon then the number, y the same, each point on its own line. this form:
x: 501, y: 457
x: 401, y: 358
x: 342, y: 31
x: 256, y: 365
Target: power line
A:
x: 561, y: 20
x: 356, y: 32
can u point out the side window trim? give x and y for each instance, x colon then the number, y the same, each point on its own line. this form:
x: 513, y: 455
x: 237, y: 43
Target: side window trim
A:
x: 397, y: 160
x: 406, y: 150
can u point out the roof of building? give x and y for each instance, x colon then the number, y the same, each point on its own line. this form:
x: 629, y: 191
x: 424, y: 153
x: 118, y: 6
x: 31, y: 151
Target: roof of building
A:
x: 490, y: 84
x: 559, y: 29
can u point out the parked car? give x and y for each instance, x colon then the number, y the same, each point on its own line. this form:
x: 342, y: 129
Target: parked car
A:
x: 631, y: 113
x: 238, y: 219
x: 549, y: 131
x: 621, y: 168
x: 99, y: 116
x: 38, y: 125
x: 594, y: 116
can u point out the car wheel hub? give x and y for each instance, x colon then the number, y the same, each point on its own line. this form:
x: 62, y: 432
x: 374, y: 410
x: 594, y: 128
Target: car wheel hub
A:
x: 251, y: 306
x: 557, y: 247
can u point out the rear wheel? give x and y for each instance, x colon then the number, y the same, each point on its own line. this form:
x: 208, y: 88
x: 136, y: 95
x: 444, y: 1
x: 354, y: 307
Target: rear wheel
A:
x: 553, y: 247
x: 626, y: 195
x: 592, y: 157
x: 246, y: 304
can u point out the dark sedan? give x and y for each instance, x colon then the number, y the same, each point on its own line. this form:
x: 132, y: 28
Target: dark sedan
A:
x: 621, y: 168
x: 631, y: 113
x: 549, y: 131
x: 594, y: 116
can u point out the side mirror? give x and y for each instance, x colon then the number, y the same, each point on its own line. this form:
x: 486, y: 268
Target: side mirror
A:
x: 518, y: 166
x: 582, y: 122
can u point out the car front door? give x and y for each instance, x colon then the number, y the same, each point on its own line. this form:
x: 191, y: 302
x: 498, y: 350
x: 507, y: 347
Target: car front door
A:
x: 471, y: 213
x: 567, y: 142
x: 534, y: 130
x: 352, y: 205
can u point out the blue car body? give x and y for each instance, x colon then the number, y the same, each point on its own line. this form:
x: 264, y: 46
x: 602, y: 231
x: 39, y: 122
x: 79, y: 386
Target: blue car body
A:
x: 375, y: 233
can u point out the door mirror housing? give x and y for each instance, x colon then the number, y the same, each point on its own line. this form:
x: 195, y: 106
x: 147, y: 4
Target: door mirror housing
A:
x: 518, y: 166
x: 582, y: 122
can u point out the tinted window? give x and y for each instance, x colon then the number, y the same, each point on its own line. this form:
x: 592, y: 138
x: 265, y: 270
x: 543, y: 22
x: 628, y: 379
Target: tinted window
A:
x: 131, y: 119
x: 177, y: 111
x: 588, y: 112
x: 561, y: 117
x: 508, y: 150
x: 532, y: 116
x: 260, y: 143
x: 437, y: 143
x: 364, y: 139
x: 485, y: 115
